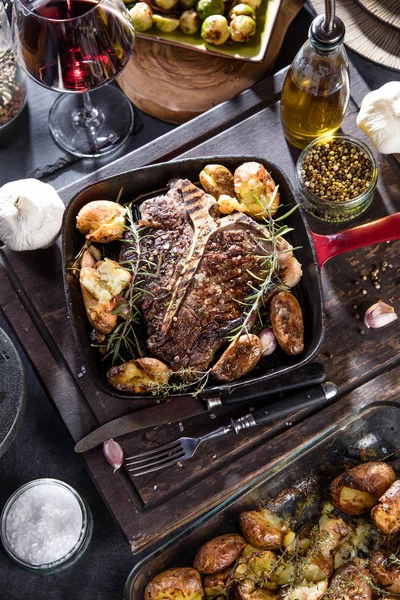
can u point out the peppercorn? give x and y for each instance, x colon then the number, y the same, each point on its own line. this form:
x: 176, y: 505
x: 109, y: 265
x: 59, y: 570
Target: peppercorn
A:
x: 336, y: 171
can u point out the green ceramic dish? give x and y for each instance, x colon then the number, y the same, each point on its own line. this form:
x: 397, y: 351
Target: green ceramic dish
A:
x: 252, y: 51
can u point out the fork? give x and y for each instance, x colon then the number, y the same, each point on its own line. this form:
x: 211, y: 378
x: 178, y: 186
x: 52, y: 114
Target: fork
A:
x: 185, y: 447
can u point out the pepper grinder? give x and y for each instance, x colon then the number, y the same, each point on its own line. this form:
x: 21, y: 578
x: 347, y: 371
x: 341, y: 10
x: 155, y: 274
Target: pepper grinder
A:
x: 316, y: 89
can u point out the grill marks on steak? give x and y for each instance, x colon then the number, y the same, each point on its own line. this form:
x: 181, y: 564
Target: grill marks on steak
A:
x: 201, y: 273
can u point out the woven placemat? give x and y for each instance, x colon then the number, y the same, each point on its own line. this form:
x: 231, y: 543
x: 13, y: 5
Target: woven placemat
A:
x: 366, y: 35
x: 387, y: 11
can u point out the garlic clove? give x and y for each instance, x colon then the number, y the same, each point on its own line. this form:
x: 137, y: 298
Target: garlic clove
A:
x: 379, y: 315
x: 31, y: 214
x: 268, y: 341
x: 113, y: 453
x: 379, y: 117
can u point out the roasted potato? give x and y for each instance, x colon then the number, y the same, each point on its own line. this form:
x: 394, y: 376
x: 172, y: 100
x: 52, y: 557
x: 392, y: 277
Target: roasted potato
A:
x: 255, y: 566
x: 287, y: 323
x: 100, y: 314
x: 247, y: 591
x: 101, y: 221
x: 305, y: 591
x: 364, y: 539
x: 228, y: 205
x: 139, y: 376
x: 386, y: 514
x: 385, y: 571
x: 358, y: 489
x: 175, y: 584
x: 263, y: 529
x: 239, y: 358
x: 219, y: 553
x: 217, y: 180
x: 252, y: 180
x: 350, y: 582
x: 215, y: 586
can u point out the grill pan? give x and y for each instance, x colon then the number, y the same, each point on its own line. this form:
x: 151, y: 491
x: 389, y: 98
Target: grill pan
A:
x: 314, y: 252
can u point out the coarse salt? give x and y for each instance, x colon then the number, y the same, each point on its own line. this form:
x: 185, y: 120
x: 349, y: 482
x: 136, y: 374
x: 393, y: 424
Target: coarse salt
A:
x: 44, y: 524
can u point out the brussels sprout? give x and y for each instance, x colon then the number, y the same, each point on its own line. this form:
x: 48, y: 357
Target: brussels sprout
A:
x: 242, y: 28
x: 187, y: 4
x: 142, y: 16
x: 206, y: 8
x: 165, y: 24
x: 189, y: 22
x: 215, y: 30
x: 166, y: 4
x: 253, y: 3
x: 242, y: 9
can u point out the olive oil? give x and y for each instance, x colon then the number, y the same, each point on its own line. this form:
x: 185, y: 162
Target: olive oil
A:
x: 307, y: 114
x: 316, y: 89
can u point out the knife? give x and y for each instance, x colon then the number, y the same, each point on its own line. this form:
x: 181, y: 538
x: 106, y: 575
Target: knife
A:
x: 182, y: 407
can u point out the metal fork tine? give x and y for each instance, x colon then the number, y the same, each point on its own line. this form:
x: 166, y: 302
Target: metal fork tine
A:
x: 154, y: 451
x: 155, y: 457
x: 156, y: 468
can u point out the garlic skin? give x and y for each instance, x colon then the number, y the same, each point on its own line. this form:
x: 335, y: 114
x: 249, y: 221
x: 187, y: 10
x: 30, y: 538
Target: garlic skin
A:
x: 113, y: 453
x: 379, y: 315
x: 31, y: 214
x: 268, y: 341
x: 379, y: 117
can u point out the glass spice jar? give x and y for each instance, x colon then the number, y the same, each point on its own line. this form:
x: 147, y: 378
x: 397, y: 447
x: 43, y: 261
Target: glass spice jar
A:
x: 12, y: 78
x: 336, y: 178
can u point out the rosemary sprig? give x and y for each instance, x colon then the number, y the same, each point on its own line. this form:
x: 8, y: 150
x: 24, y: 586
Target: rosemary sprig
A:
x: 268, y: 272
x: 189, y: 378
x: 123, y: 342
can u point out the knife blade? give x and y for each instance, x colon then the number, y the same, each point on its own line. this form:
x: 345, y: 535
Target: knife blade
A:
x: 183, y: 407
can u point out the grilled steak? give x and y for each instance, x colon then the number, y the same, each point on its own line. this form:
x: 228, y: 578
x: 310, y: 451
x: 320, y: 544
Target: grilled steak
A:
x: 202, y: 266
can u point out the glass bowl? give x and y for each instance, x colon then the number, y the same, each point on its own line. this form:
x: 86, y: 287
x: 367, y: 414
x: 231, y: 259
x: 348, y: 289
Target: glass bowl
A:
x: 336, y: 211
x: 73, y: 553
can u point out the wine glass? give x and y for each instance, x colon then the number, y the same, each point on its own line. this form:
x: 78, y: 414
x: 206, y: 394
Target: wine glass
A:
x: 77, y: 46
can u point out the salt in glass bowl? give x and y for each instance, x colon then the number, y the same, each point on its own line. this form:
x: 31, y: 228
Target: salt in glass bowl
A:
x: 74, y: 553
x: 329, y: 210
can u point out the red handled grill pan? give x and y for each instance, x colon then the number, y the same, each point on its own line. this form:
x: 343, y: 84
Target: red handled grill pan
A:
x: 314, y: 252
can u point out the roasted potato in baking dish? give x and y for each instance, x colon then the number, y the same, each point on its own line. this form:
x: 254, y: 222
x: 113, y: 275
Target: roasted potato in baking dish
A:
x: 255, y: 187
x: 217, y: 180
x: 385, y: 567
x: 263, y: 529
x: 239, y: 358
x: 101, y: 221
x: 219, y: 553
x: 215, y: 586
x: 139, y: 376
x: 357, y: 490
x: 386, y: 514
x: 287, y: 323
x: 175, y: 584
x: 350, y: 582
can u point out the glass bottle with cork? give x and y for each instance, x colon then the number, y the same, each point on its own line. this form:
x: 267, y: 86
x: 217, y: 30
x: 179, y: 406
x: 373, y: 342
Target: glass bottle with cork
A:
x: 316, y: 89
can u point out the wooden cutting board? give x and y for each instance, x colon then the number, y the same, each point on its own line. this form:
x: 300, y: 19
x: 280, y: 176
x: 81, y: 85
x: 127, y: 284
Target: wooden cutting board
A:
x: 176, y: 85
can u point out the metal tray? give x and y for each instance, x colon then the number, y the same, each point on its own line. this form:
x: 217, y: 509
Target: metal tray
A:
x: 144, y: 181
x: 324, y: 455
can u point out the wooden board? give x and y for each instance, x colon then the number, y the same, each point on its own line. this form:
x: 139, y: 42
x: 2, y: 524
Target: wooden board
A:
x: 176, y: 85
x: 31, y: 296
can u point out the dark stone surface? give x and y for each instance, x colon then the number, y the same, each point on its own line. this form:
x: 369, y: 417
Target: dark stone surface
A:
x: 12, y: 392
x: 43, y: 448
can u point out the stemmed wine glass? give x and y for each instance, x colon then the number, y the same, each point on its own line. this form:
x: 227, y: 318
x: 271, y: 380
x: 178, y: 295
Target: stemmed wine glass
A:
x: 78, y: 46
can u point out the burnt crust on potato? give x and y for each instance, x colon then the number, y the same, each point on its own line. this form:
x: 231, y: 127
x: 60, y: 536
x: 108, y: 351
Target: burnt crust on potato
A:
x: 219, y: 553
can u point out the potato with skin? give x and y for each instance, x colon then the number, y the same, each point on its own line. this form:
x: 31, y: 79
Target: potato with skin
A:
x: 247, y: 591
x: 217, y: 180
x: 305, y: 591
x: 262, y: 529
x: 175, y: 584
x: 386, y: 573
x: 219, y: 553
x: 287, y: 323
x: 100, y: 315
x: 350, y: 582
x: 252, y: 179
x: 239, y: 358
x: 358, y: 489
x: 101, y: 221
x: 386, y: 514
x: 139, y: 376
x: 215, y: 586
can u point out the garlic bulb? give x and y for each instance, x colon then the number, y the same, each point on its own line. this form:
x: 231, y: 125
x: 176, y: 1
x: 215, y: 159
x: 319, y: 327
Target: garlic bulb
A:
x: 379, y: 117
x: 379, y: 315
x: 31, y: 214
x: 268, y: 341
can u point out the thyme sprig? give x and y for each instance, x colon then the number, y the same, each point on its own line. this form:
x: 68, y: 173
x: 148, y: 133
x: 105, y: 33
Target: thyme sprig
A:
x: 188, y: 378
x: 123, y: 342
x: 268, y: 272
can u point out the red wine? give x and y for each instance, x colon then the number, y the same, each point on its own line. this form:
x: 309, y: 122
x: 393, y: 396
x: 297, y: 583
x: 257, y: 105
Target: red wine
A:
x: 73, y: 45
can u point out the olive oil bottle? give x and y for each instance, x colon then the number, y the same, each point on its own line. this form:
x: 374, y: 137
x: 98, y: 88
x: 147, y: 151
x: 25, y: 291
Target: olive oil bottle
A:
x: 316, y: 89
